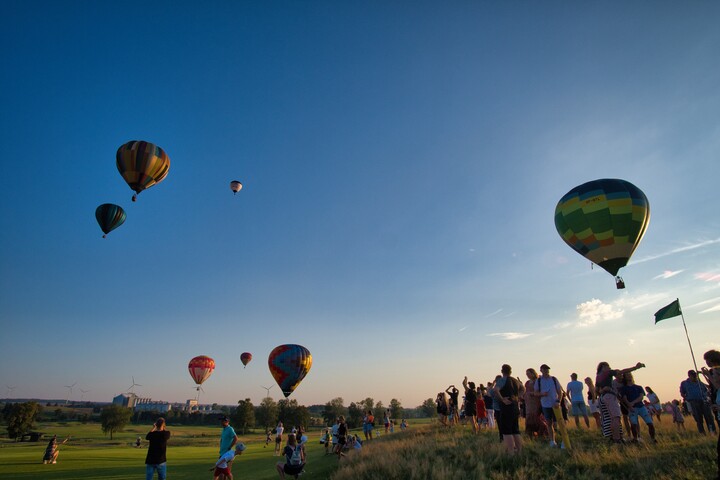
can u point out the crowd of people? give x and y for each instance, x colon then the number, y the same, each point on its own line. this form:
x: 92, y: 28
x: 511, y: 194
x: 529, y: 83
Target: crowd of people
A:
x: 613, y: 399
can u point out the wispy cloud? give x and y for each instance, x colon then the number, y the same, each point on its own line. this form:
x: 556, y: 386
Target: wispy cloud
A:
x: 674, y: 251
x: 510, y: 335
x: 708, y: 276
x: 463, y: 328
x: 631, y: 342
x: 494, y: 313
x: 594, y: 311
x: 711, y: 309
x: 668, y: 274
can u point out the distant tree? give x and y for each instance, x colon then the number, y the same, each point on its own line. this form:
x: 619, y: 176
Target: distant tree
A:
x: 21, y: 418
x: 367, y: 404
x: 396, y: 409
x: 355, y: 415
x: 266, y: 414
x: 333, y: 409
x: 113, y: 418
x: 59, y: 415
x: 379, y: 412
x: 428, y: 407
x: 292, y: 414
x: 244, y: 415
x: 6, y: 411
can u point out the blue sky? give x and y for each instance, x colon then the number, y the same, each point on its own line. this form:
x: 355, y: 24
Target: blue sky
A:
x: 401, y: 164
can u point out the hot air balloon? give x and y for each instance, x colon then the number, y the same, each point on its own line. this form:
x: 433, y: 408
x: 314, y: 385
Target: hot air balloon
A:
x: 288, y: 365
x: 142, y: 165
x: 200, y: 370
x: 109, y: 217
x: 235, y: 186
x: 604, y: 221
x: 245, y: 358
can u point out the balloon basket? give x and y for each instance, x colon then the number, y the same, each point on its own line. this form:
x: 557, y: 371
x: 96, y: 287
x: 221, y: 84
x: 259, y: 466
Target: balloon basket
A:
x: 619, y: 283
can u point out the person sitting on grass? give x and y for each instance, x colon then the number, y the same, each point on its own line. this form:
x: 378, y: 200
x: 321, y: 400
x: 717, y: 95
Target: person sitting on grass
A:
x: 294, y: 458
x: 342, y: 436
x: 53, y: 450
x: 223, y: 467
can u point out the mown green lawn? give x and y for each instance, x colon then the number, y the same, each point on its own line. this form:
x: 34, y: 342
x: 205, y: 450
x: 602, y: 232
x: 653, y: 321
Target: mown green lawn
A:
x: 191, y: 452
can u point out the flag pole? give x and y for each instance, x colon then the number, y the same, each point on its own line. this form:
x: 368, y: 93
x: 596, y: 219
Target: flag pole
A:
x: 688, y: 338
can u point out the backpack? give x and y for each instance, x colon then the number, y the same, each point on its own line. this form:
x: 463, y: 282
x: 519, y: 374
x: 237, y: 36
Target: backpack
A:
x: 296, y: 457
x: 555, y: 381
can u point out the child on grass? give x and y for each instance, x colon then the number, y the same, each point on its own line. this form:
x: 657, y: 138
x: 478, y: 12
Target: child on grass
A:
x: 222, y: 468
x: 677, y: 415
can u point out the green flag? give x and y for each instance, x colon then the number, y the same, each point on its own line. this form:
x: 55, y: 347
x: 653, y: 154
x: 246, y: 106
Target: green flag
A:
x: 669, y: 311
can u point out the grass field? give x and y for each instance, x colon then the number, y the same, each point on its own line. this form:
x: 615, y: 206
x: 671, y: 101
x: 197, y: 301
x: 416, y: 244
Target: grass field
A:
x: 191, y: 452
x: 425, y: 451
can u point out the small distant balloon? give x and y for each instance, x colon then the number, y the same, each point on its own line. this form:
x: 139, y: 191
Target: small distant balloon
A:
x: 142, y: 165
x: 109, y: 216
x: 288, y: 365
x: 201, y: 368
x: 235, y: 186
x: 245, y: 358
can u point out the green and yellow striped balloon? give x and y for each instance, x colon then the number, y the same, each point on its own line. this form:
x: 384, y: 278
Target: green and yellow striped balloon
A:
x: 142, y: 165
x: 604, y: 221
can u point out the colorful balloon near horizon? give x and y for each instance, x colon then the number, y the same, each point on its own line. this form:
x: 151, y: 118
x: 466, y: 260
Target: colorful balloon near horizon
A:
x: 289, y: 364
x: 604, y: 221
x: 201, y: 368
x: 245, y: 358
x: 235, y: 186
x: 142, y: 165
x: 109, y: 216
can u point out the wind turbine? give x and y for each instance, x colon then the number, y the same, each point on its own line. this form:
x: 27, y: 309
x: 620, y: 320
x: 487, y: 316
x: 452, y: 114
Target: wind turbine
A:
x: 69, y: 387
x: 82, y: 393
x: 10, y: 389
x: 130, y: 388
x: 267, y: 389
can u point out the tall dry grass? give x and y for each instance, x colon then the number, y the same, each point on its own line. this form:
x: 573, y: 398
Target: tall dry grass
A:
x: 438, y: 453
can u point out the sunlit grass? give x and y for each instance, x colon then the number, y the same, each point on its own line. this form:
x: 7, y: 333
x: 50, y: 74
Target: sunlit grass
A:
x: 442, y: 453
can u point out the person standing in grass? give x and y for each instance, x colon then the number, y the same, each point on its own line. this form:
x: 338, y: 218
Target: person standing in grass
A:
x: 471, y: 403
x: 508, y: 391
x: 535, y: 425
x: 608, y: 395
x: 696, y: 394
x: 593, y: 402
x: 497, y: 411
x: 453, y: 405
x: 278, y: 437
x: 488, y: 399
x: 655, y: 405
x: 480, y: 407
x: 342, y: 436
x: 677, y: 415
x: 632, y: 396
x: 441, y: 407
x: 155, y: 460
x: 712, y: 373
x: 548, y: 389
x: 577, y: 400
x: 368, y: 425
x: 228, y: 437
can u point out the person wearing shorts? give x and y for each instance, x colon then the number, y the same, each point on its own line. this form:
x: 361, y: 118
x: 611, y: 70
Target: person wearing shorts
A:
x: 223, y: 466
x: 608, y: 396
x: 632, y: 396
x: 548, y: 389
x: 278, y: 437
x: 578, y: 407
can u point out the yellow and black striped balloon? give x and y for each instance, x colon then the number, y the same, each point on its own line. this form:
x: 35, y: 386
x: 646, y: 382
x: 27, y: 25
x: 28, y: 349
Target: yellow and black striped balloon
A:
x: 142, y: 165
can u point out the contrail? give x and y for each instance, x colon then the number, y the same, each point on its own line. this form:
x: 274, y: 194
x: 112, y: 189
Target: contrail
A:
x: 678, y: 250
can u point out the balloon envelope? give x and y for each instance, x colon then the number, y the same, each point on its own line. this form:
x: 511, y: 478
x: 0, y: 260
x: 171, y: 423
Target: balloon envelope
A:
x: 201, y: 368
x: 142, y: 164
x: 235, y: 186
x: 604, y: 221
x: 245, y: 358
x: 288, y: 365
x: 109, y: 216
